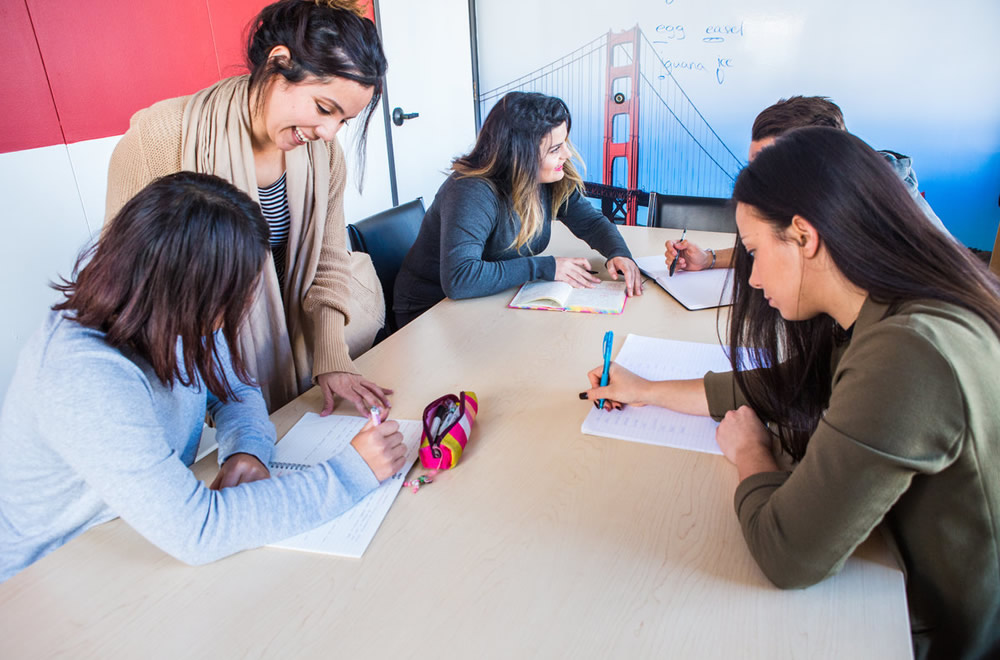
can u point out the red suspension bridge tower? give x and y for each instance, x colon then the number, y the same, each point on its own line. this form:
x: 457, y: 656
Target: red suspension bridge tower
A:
x: 622, y: 106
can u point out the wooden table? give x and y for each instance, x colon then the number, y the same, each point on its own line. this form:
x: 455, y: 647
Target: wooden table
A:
x: 542, y: 543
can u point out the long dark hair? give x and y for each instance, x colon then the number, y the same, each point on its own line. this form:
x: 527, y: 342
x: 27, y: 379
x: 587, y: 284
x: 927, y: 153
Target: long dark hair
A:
x: 876, y: 236
x: 326, y: 38
x: 507, y: 156
x: 180, y: 257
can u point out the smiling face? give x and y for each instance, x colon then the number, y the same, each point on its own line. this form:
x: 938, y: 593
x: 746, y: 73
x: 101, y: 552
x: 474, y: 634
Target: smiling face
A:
x: 314, y: 109
x: 777, y: 264
x: 554, y: 153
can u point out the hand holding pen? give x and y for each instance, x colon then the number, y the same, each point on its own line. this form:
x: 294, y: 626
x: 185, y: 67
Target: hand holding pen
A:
x: 380, y: 445
x: 620, y: 388
x: 673, y: 264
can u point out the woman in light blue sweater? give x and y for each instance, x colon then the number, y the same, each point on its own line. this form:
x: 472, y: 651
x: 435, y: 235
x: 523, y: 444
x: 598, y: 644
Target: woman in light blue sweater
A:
x: 104, y: 413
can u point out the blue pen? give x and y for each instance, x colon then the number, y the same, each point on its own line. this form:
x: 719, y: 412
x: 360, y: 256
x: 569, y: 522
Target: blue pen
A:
x: 609, y: 339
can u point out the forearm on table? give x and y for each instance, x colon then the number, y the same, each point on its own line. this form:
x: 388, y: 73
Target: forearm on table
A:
x: 472, y: 277
x: 684, y: 396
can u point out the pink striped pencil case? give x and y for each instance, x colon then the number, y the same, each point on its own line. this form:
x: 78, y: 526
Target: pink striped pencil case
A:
x: 447, y: 426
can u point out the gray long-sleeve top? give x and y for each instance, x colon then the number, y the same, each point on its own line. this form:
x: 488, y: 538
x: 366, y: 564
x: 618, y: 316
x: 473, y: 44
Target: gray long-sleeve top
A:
x: 463, y: 248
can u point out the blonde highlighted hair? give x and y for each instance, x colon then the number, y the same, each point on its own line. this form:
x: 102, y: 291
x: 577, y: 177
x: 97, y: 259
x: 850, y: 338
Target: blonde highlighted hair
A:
x: 507, y: 155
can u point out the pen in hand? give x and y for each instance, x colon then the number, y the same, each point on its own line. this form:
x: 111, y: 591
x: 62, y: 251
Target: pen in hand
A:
x: 376, y: 418
x: 609, y: 339
x: 677, y: 254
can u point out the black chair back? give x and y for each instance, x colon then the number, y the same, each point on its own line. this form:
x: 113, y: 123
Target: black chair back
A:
x: 387, y: 237
x: 682, y: 212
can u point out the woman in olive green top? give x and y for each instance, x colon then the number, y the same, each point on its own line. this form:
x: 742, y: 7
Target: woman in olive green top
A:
x: 886, y: 335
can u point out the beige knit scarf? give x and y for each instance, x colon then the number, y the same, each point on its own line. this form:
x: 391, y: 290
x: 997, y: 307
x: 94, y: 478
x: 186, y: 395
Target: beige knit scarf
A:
x: 216, y: 140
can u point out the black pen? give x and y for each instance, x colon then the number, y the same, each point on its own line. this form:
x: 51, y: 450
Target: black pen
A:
x: 677, y: 254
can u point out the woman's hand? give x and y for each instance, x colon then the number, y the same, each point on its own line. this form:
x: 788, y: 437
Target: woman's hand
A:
x: 746, y: 442
x: 633, y: 278
x: 362, y: 393
x: 623, y: 387
x: 381, y: 447
x: 690, y: 256
x: 238, y: 469
x: 575, y: 271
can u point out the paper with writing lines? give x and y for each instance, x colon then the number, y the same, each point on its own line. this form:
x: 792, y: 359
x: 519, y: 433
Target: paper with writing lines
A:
x: 662, y: 359
x: 314, y: 439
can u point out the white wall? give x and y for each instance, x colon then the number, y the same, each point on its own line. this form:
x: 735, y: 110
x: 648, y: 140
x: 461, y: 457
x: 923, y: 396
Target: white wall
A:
x: 46, y: 227
x: 376, y: 194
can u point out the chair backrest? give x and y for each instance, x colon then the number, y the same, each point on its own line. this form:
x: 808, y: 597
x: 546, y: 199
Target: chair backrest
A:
x: 387, y: 237
x: 681, y: 212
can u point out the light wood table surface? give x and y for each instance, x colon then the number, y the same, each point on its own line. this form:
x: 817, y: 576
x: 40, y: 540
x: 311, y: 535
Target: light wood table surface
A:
x: 542, y: 543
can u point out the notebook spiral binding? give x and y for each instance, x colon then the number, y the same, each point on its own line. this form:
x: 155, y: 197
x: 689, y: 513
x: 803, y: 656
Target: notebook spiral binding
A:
x: 278, y: 465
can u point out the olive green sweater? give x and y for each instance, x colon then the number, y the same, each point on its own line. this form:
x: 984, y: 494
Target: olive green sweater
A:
x: 910, y: 442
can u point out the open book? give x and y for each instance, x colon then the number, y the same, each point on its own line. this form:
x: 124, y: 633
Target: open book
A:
x: 314, y: 439
x: 604, y: 298
x: 695, y: 289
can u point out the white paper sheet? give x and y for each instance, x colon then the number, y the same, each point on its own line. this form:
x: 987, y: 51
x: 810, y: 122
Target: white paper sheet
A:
x: 695, y: 289
x: 314, y: 439
x: 661, y: 359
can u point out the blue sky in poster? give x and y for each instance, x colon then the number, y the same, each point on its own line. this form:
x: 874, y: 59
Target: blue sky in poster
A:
x: 916, y: 76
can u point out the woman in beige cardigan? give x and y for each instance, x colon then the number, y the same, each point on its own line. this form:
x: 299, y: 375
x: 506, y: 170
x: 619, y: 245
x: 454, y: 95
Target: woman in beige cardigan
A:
x: 313, y: 67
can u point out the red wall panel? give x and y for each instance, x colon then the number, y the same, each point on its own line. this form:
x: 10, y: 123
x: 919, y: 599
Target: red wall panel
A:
x: 27, y: 114
x: 108, y: 58
x: 229, y: 22
x: 103, y: 60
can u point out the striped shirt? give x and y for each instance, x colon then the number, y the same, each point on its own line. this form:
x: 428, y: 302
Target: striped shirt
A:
x: 274, y: 205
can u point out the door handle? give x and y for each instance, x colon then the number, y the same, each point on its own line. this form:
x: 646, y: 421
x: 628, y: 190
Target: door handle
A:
x: 398, y: 116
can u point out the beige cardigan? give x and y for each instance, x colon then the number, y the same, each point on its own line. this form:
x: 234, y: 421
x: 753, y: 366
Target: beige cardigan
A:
x: 333, y: 304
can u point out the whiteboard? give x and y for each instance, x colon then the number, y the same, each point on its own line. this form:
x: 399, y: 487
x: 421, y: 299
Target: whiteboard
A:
x: 917, y: 76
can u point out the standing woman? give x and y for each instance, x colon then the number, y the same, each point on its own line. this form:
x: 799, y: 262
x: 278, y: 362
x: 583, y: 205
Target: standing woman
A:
x: 494, y: 214
x: 886, y: 341
x: 314, y: 66
x: 105, y: 411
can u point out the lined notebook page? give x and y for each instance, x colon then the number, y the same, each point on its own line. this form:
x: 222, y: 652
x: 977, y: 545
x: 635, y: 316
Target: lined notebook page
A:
x: 661, y: 359
x: 314, y: 439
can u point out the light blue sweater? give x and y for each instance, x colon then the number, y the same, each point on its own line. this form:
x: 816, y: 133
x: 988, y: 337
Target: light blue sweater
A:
x: 88, y: 433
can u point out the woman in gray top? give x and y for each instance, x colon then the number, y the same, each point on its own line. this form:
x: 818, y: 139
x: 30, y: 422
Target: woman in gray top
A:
x: 493, y: 214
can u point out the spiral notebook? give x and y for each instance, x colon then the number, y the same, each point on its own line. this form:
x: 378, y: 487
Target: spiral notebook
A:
x: 605, y: 298
x: 314, y: 439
